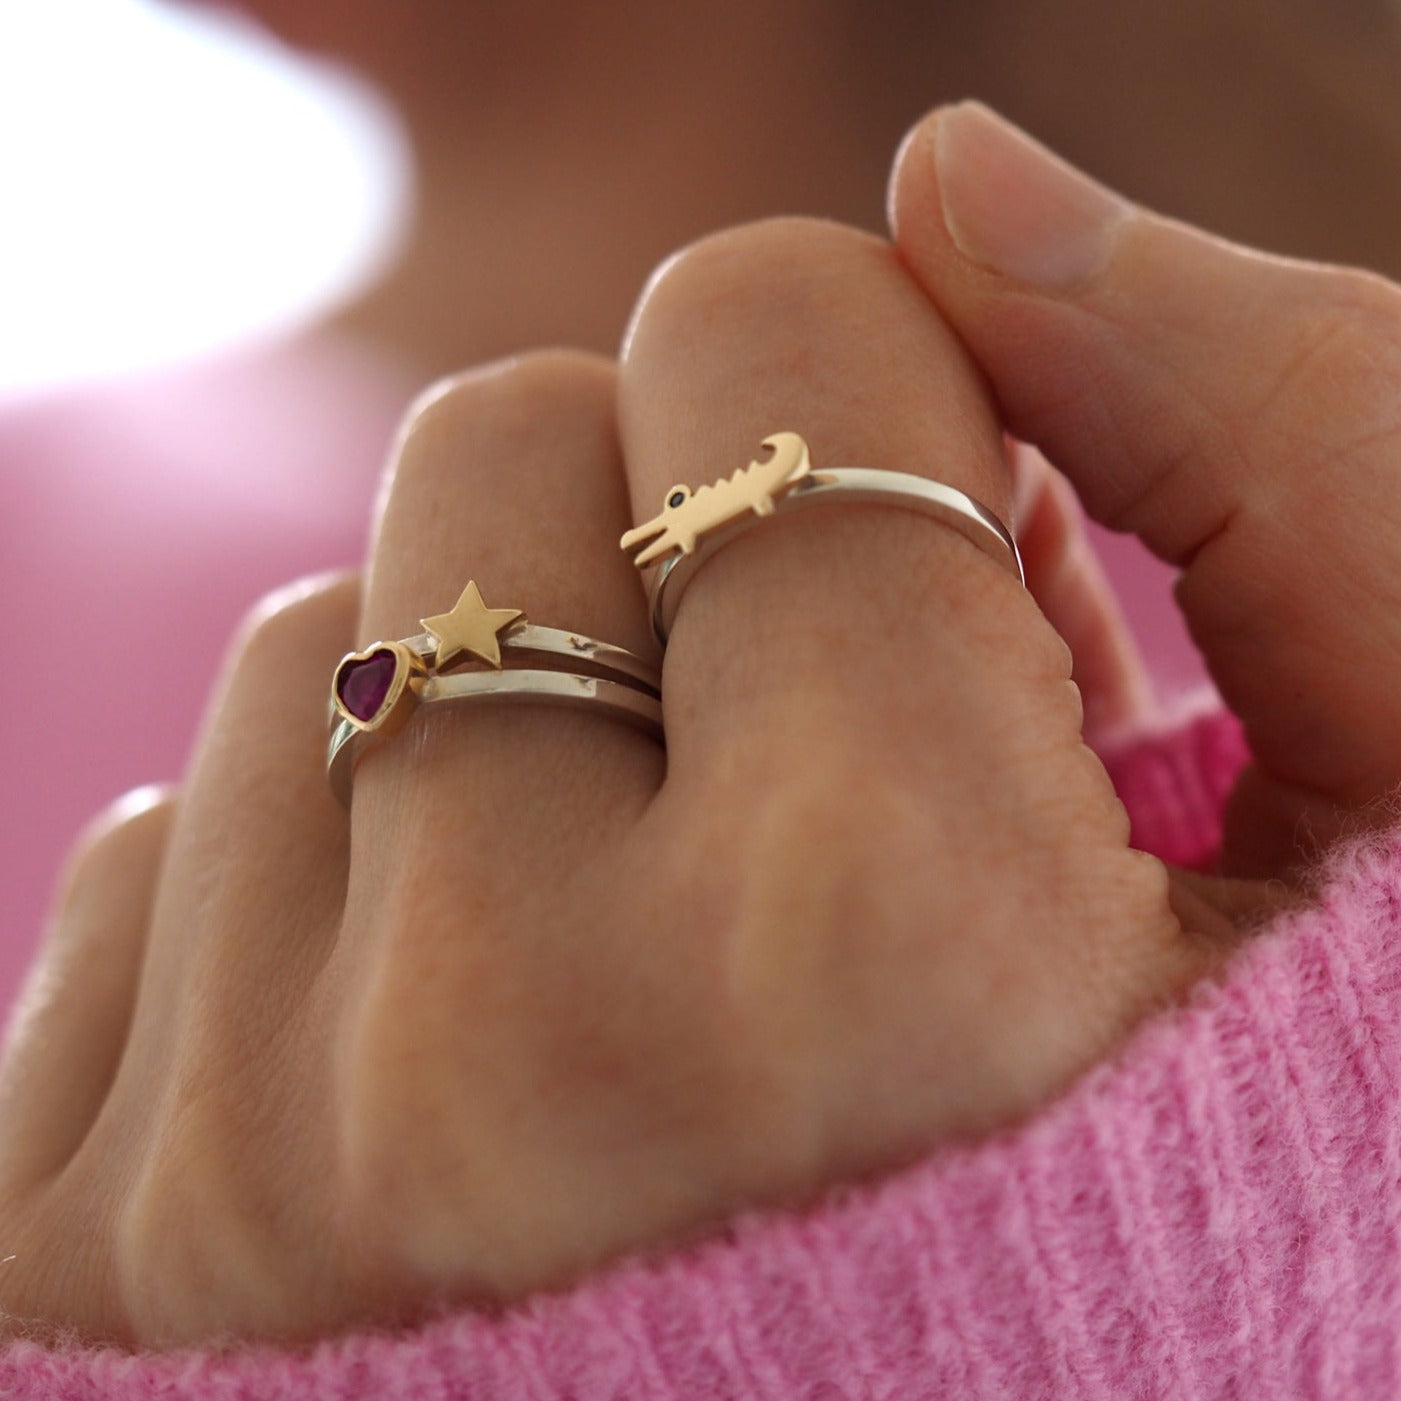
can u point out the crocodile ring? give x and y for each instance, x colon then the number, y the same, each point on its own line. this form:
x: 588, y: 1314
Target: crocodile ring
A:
x: 691, y: 526
x: 506, y: 658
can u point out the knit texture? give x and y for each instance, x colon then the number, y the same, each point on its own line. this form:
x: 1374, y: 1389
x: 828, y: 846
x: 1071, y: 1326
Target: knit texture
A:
x: 1214, y: 1213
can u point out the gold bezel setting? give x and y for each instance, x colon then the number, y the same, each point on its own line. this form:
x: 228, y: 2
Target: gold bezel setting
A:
x: 396, y: 702
x: 504, y: 658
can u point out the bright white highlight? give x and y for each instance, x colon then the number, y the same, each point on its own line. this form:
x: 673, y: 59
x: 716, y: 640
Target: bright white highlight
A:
x: 174, y: 182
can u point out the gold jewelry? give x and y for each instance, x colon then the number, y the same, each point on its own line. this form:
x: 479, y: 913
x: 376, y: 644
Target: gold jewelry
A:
x: 691, y: 526
x: 375, y: 691
x: 470, y: 627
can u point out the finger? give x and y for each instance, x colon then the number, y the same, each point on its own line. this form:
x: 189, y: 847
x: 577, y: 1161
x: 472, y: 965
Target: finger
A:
x: 863, y: 641
x: 70, y: 1022
x: 876, y: 716
x: 489, y: 841
x: 227, y: 1039
x: 1236, y: 411
x: 811, y: 622
x: 256, y: 873
x: 1073, y: 591
x: 510, y: 477
x: 1068, y: 582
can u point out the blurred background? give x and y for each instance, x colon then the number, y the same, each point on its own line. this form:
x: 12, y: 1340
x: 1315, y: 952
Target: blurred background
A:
x: 235, y: 241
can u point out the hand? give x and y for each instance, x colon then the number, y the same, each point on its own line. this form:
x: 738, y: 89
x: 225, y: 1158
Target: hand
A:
x: 549, y: 995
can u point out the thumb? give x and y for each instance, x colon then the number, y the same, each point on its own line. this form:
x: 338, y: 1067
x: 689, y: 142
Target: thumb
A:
x: 1239, y: 412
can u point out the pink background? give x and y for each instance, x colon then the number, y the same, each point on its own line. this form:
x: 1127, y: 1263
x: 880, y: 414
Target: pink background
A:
x: 140, y: 520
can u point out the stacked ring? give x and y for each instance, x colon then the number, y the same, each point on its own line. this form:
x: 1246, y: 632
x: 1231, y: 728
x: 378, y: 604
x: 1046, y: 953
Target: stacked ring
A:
x: 476, y: 653
x: 691, y: 526
x: 375, y: 691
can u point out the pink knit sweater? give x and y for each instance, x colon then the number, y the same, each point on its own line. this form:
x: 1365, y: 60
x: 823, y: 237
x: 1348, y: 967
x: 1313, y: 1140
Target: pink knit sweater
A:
x: 1215, y: 1213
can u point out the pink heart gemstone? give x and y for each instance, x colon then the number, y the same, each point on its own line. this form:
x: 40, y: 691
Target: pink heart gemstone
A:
x: 364, y: 683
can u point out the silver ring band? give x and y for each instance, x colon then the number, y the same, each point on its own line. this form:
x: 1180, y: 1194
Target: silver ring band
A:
x: 555, y: 650
x: 374, y: 693
x: 614, y: 700
x: 545, y: 645
x: 852, y: 485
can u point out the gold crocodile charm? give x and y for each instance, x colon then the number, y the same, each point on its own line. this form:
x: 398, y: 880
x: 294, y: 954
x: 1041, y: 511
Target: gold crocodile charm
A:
x: 687, y: 515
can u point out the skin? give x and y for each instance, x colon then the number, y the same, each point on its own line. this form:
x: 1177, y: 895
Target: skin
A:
x: 550, y: 995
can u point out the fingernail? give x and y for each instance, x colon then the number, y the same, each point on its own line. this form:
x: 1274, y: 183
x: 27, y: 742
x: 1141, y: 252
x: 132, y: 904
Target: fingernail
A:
x: 1013, y: 206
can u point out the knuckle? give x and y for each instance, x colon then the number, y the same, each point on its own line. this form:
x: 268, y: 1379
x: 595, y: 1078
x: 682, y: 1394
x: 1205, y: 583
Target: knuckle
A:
x: 486, y: 1150
x: 208, y: 1233
x: 1370, y: 299
x: 280, y: 622
x: 876, y: 939
x: 412, y: 1076
x: 822, y: 900
x: 55, y: 1276
x: 866, y: 951
x: 123, y: 829
x: 810, y: 885
x: 183, y: 1180
x: 514, y: 396
x: 1331, y: 392
x: 787, y: 257
x: 1350, y: 339
x: 491, y: 428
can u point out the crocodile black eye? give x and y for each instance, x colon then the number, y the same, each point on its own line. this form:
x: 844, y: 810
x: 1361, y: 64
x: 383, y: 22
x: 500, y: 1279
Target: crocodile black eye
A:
x: 676, y: 498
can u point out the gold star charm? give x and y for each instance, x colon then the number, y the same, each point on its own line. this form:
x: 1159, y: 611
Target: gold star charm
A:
x: 470, y: 627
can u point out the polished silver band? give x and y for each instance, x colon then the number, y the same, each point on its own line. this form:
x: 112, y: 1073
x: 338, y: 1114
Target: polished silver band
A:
x: 852, y: 485
x: 553, y: 649
x: 612, y: 699
x: 551, y: 646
